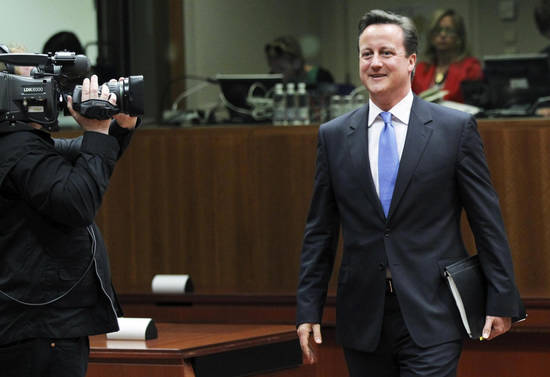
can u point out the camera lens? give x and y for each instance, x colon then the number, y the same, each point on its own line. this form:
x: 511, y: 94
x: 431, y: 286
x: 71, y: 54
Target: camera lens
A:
x: 130, y: 94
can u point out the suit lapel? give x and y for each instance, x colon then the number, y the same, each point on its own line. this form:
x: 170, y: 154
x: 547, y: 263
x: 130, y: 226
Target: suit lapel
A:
x: 418, y: 134
x: 357, y: 137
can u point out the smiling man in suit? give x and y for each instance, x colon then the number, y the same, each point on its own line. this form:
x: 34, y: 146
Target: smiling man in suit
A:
x: 395, y: 175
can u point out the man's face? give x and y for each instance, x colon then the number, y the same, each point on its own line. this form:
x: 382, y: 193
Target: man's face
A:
x: 23, y: 70
x: 384, y: 67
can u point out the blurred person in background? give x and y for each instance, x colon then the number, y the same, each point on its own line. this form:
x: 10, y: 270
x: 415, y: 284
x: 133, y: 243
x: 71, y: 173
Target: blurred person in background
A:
x: 18, y: 70
x: 63, y: 41
x: 448, y: 61
x: 284, y: 55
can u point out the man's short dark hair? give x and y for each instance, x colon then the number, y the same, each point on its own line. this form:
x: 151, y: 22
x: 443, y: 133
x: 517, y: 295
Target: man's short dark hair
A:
x: 377, y: 16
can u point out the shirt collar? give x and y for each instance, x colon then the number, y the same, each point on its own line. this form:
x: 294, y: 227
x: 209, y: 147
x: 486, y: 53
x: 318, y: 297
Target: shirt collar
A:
x: 401, y: 111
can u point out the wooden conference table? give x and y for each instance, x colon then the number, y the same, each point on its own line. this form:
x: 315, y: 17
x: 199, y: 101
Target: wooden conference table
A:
x: 523, y: 352
x: 201, y: 350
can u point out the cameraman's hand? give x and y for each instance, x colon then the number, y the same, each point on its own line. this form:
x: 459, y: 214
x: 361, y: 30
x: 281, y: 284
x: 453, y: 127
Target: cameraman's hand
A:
x: 89, y: 91
x: 124, y: 120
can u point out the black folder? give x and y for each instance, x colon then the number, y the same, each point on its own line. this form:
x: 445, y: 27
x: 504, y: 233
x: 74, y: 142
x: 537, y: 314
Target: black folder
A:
x: 469, y: 289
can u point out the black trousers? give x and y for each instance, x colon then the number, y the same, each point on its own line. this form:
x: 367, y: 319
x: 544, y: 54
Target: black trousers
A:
x: 398, y: 356
x: 44, y: 357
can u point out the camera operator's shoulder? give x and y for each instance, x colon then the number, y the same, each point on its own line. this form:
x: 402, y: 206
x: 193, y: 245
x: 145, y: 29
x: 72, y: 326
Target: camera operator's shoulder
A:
x: 12, y: 140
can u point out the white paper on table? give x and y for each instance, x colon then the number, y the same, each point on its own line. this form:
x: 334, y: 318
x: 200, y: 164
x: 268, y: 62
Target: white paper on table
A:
x: 131, y: 328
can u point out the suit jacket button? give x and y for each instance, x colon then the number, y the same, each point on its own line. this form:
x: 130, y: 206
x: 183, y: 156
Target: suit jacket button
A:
x: 381, y: 267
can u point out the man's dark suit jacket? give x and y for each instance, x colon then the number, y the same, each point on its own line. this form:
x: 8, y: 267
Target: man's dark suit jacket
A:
x: 442, y: 170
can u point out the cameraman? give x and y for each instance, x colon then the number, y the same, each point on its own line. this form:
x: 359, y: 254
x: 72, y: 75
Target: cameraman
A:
x: 55, y: 282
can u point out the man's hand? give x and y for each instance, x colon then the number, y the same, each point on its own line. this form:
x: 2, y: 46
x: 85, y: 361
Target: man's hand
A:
x: 495, y: 326
x: 89, y: 91
x: 304, y: 330
x: 124, y: 120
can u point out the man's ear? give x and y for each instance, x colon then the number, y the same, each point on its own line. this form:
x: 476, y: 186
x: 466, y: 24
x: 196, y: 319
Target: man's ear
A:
x: 412, y: 62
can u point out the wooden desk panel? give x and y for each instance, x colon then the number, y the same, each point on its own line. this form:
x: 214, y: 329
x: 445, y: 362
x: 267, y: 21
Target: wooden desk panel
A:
x: 228, y: 204
x: 224, y: 204
x: 200, y: 350
x: 270, y: 309
x: 219, y: 308
x: 515, y: 354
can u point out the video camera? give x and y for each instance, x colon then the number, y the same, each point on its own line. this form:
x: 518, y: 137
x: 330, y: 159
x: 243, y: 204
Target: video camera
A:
x: 40, y: 97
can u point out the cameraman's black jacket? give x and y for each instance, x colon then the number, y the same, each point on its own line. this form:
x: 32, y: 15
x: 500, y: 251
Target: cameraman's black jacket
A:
x: 50, y: 193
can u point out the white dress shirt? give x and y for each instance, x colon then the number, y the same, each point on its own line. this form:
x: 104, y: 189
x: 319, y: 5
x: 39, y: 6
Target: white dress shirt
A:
x: 400, y: 120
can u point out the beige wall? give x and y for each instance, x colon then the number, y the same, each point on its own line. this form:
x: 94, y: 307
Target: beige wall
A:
x: 31, y: 22
x: 496, y: 36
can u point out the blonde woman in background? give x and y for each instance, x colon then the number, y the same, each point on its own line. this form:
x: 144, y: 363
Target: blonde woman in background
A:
x: 448, y: 61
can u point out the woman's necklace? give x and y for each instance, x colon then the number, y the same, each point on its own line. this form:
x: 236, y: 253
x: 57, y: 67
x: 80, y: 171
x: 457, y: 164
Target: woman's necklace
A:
x: 441, y: 74
x: 440, y: 77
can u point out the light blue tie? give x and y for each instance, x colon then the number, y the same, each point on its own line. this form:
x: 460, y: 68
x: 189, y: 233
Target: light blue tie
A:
x: 388, y: 162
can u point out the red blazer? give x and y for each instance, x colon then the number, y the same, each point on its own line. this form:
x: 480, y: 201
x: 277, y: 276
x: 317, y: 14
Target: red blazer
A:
x: 467, y: 69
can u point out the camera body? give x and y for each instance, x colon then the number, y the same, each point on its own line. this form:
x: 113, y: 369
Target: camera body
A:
x: 40, y: 97
x: 27, y: 99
